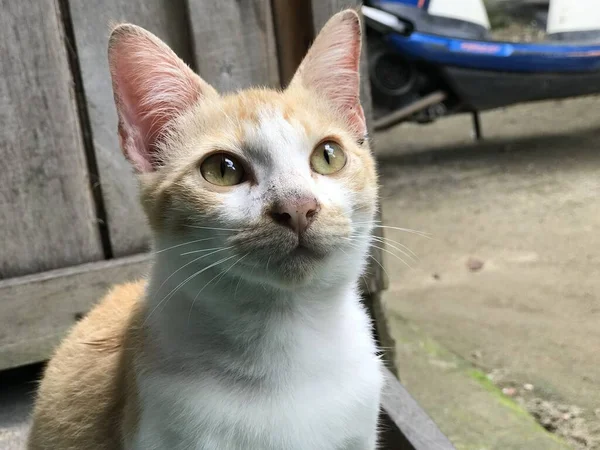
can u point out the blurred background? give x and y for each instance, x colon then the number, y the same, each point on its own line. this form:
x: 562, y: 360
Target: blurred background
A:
x: 486, y: 130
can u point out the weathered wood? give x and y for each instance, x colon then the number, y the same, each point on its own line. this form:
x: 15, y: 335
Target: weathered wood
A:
x: 91, y: 26
x: 234, y: 43
x: 294, y: 33
x: 37, y: 310
x: 47, y: 215
x: 375, y: 279
x: 405, y: 424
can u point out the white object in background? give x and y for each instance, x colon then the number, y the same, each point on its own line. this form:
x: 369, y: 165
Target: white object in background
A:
x: 567, y: 16
x: 468, y: 10
x: 384, y: 18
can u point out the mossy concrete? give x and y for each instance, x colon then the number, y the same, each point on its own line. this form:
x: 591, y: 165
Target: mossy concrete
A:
x: 466, y: 405
x: 524, y: 203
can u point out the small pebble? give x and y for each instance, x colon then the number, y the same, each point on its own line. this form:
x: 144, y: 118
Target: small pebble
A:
x: 474, y: 264
x: 509, y: 391
x: 576, y: 411
x: 528, y: 387
x: 563, y: 408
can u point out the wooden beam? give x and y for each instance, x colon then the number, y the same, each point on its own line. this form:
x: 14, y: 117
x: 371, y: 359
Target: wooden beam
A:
x: 405, y: 425
x: 294, y: 33
x: 47, y: 214
x: 37, y: 310
x: 234, y: 43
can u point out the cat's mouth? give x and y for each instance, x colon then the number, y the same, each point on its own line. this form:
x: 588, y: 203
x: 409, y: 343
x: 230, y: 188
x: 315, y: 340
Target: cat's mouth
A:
x: 304, y: 251
x: 279, y: 245
x: 284, y: 258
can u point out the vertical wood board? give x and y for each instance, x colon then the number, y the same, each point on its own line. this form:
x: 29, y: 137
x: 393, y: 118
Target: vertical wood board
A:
x: 294, y: 33
x: 47, y: 214
x: 234, y: 43
x: 91, y: 25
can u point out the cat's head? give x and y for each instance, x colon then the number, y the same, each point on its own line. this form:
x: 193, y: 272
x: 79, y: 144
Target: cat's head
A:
x: 275, y: 186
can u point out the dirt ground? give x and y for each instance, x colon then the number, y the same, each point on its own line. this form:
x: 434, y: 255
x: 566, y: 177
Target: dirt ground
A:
x: 510, y: 278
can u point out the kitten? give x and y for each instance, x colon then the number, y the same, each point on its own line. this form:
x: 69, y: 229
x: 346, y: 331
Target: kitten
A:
x: 249, y: 333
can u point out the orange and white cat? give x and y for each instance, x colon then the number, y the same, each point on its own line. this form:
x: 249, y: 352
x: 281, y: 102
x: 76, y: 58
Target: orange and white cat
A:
x: 249, y: 333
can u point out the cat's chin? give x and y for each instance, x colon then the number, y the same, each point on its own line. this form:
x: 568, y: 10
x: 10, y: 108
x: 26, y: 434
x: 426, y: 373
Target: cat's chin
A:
x: 298, y: 268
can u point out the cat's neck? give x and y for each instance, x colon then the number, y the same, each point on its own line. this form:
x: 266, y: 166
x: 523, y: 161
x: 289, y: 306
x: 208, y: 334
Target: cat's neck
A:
x: 237, y: 323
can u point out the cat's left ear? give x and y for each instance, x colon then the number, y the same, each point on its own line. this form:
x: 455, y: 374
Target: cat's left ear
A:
x: 331, y: 68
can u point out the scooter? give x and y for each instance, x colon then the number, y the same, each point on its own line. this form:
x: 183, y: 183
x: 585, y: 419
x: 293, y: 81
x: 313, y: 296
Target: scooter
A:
x: 426, y: 62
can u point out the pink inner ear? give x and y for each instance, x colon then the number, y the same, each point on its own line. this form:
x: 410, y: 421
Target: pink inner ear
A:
x: 331, y: 68
x: 152, y: 87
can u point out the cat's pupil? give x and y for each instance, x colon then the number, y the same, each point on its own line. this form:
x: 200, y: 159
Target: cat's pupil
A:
x: 226, y: 164
x: 326, y: 153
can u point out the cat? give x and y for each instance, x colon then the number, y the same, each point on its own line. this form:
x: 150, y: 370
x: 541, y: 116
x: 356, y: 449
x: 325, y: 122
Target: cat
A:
x: 249, y: 332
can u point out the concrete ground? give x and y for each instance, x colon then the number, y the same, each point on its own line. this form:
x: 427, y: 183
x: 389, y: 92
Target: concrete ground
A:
x: 17, y: 388
x: 510, y: 278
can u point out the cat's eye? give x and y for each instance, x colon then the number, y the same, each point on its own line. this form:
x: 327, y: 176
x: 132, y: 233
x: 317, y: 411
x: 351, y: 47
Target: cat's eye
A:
x: 328, y: 158
x: 222, y: 169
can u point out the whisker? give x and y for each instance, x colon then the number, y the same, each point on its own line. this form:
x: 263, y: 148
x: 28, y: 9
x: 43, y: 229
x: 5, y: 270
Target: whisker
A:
x: 361, y: 275
x: 229, y: 268
x: 387, y: 251
x: 238, y: 286
x: 175, y: 289
x: 381, y: 265
x: 386, y: 239
x: 370, y: 221
x: 187, y: 264
x: 374, y: 259
x: 406, y: 230
x: 393, y: 254
x: 181, y: 245
x: 268, y: 261
x: 200, y: 251
x: 408, y: 255
x: 213, y: 228
x: 220, y: 275
x: 254, y: 267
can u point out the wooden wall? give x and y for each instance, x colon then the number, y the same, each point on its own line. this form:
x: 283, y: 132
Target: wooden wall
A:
x: 70, y: 222
x: 44, y: 168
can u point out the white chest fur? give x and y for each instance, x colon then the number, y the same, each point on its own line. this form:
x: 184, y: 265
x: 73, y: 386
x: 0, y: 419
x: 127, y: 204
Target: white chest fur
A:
x: 314, y: 385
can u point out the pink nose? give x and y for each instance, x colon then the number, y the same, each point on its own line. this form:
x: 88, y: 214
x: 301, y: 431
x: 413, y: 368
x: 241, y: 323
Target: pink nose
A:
x: 296, y: 215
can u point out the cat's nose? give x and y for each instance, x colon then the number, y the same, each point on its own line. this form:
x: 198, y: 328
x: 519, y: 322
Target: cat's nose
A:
x: 296, y: 215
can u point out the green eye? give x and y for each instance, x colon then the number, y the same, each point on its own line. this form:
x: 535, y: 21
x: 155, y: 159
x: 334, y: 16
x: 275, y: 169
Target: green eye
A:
x: 222, y: 169
x: 328, y: 158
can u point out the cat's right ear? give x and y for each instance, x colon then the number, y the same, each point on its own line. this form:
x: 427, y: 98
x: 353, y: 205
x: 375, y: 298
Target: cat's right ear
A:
x: 152, y: 86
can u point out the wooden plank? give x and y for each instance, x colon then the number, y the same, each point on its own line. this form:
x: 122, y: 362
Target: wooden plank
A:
x: 405, y: 424
x: 234, y: 43
x: 37, y: 310
x: 91, y: 26
x: 47, y: 214
x: 294, y: 33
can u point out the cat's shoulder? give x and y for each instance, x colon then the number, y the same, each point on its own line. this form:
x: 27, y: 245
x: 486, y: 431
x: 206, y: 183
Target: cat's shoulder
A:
x: 86, y: 381
x: 109, y: 320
